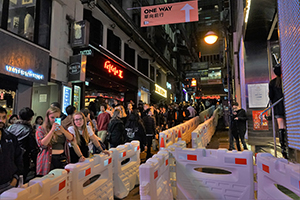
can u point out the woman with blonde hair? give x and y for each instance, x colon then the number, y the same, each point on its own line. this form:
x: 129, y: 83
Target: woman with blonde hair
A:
x: 52, y: 140
x: 83, y: 134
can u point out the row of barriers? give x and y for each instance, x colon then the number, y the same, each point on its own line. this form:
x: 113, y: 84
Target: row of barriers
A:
x: 217, y: 174
x: 180, y: 132
x: 202, y: 135
x: 99, y: 177
x: 184, y: 131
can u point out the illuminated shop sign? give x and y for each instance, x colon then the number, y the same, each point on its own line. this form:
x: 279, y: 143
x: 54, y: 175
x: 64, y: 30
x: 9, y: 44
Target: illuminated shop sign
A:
x: 67, y: 98
x: 193, y: 83
x: 113, y: 70
x: 169, y: 86
x: 161, y: 91
x: 145, y: 89
x: 87, y: 52
x: 25, y: 73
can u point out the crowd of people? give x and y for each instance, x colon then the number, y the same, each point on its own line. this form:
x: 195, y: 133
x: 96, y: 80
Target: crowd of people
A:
x: 31, y: 149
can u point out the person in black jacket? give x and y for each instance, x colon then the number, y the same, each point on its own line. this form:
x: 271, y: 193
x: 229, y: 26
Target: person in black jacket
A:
x: 238, y: 131
x: 275, y: 93
x: 116, y: 130
x: 135, y: 129
x: 178, y: 114
x: 171, y: 116
x: 25, y: 134
x: 11, y: 164
x: 150, y: 130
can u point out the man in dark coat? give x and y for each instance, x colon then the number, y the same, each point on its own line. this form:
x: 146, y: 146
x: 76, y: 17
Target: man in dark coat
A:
x: 149, y: 124
x: 238, y: 121
x: 24, y: 132
x: 11, y: 165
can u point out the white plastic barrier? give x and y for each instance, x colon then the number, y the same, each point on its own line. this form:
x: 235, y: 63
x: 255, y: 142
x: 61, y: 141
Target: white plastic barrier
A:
x: 206, y: 114
x: 271, y: 171
x: 172, y: 163
x: 166, y: 138
x: 197, y: 136
x: 192, y: 184
x: 125, y: 176
x: 54, y: 186
x: 180, y: 132
x: 202, y: 135
x: 83, y: 175
x: 155, y: 178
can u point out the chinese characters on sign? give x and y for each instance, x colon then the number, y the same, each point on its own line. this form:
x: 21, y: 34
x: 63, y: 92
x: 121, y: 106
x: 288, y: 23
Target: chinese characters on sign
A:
x: 112, y: 69
x: 169, y: 13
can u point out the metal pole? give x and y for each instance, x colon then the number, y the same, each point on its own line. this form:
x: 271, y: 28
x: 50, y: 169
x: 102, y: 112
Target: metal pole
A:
x: 228, y: 80
x: 274, y: 133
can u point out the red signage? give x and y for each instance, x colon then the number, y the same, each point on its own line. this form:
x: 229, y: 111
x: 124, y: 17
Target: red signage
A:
x: 169, y: 13
x: 112, y: 69
x: 257, y: 121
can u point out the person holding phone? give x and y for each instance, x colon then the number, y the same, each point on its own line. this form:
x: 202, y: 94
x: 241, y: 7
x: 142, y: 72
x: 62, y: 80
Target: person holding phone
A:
x: 83, y: 134
x: 52, y: 140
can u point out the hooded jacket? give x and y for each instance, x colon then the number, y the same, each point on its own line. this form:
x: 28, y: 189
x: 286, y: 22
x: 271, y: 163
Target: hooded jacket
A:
x: 11, y: 164
x: 116, y: 132
x: 26, y: 138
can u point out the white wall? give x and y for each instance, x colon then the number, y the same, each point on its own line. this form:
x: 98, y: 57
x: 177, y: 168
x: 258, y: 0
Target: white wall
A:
x: 60, y: 50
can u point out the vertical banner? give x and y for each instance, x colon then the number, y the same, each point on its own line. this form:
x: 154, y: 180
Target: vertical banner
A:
x: 257, y: 121
x: 77, y: 96
x: 67, y: 98
x: 169, y: 13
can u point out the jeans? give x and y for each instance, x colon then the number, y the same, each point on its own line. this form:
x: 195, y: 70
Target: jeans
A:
x: 239, y: 135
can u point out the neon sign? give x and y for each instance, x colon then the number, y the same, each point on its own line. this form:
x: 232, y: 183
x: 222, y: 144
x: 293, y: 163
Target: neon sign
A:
x: 112, y: 69
x: 161, y: 91
x: 194, y: 83
x: 28, y: 73
x: 169, y: 86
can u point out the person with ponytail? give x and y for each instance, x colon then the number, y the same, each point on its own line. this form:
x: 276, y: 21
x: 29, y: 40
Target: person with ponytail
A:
x: 83, y: 134
x: 52, y: 140
x: 276, y: 93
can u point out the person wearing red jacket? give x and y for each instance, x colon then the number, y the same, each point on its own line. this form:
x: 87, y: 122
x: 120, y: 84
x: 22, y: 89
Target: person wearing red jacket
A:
x: 102, y: 123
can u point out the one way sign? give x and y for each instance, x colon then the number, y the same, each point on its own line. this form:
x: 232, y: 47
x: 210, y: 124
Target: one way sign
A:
x: 169, y: 13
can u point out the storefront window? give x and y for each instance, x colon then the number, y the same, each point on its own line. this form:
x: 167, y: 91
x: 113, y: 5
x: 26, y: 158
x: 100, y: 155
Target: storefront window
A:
x: 113, y: 43
x: 143, y: 65
x: 21, y: 18
x: 96, y: 28
x: 129, y: 55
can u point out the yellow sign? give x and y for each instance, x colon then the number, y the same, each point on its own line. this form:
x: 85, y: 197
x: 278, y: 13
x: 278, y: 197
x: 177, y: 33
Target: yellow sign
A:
x: 161, y: 91
x: 194, y: 83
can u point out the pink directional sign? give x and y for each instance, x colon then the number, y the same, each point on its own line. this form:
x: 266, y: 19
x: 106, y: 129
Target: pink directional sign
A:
x: 169, y: 13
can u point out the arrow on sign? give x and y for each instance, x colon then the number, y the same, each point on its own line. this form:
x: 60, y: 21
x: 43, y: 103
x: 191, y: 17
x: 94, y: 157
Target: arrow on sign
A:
x: 187, y: 9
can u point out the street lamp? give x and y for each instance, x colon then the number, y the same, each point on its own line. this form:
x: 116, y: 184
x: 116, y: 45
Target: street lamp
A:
x: 210, y: 37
